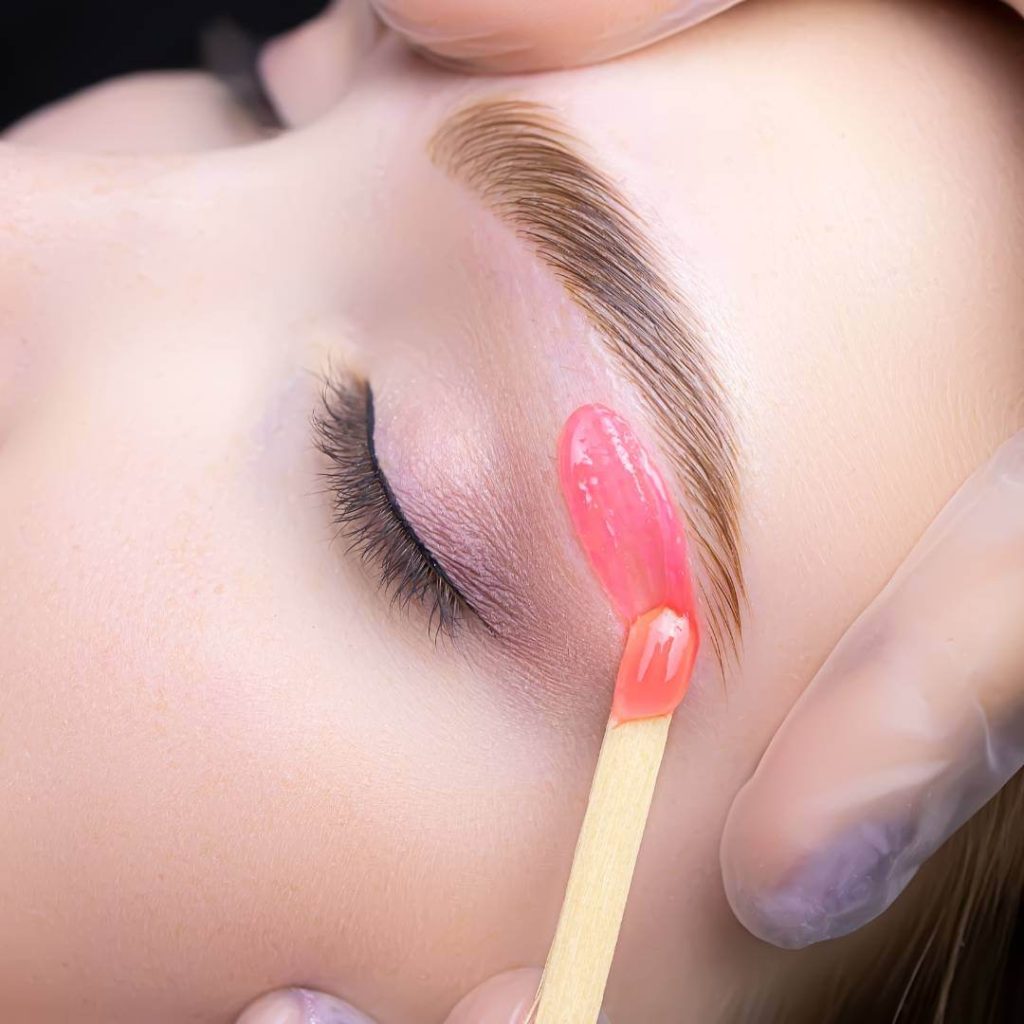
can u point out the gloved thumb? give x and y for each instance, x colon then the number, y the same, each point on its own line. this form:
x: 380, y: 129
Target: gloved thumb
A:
x: 503, y: 999
x: 301, y: 1006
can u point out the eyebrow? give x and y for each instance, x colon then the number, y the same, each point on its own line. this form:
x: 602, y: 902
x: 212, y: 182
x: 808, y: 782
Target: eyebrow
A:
x: 528, y: 168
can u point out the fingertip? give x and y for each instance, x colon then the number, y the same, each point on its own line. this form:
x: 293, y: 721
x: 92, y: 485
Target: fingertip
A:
x: 283, y: 1007
x: 504, y: 999
x: 301, y: 1006
x: 534, y: 35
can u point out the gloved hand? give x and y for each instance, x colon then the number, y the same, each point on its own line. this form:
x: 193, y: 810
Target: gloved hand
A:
x: 531, y: 35
x: 913, y: 723
x: 504, y: 999
x: 534, y: 35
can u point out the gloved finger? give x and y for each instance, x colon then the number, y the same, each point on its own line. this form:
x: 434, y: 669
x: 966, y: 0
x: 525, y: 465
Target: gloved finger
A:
x: 301, y: 1006
x: 913, y: 723
x: 532, y: 35
x: 504, y: 999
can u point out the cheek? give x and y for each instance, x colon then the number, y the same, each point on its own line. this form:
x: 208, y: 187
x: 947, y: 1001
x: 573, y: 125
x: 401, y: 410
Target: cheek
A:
x: 232, y: 770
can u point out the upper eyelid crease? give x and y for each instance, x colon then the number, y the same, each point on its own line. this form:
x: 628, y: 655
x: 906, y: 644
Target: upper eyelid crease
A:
x: 526, y: 166
x: 396, y: 505
x: 367, y: 512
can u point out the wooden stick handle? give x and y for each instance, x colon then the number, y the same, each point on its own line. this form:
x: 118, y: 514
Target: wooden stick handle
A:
x: 572, y: 987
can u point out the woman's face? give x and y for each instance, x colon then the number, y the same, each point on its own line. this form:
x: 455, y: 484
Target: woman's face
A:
x: 231, y: 759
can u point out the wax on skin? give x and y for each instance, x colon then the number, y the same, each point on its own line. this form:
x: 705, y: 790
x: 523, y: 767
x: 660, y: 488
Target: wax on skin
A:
x: 634, y: 538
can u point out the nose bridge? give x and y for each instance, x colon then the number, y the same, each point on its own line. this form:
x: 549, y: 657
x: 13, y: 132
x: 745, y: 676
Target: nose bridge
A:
x: 63, y: 240
x: 108, y: 242
x: 33, y: 188
x: 286, y: 241
x: 152, y: 266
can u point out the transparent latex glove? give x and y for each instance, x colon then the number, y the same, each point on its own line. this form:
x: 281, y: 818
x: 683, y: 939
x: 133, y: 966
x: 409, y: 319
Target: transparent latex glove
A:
x: 531, y: 35
x: 503, y: 999
x: 534, y: 35
x: 913, y: 723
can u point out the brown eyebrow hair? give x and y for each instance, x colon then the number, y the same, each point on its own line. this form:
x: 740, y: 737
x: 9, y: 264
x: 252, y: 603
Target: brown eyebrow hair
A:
x: 527, y: 167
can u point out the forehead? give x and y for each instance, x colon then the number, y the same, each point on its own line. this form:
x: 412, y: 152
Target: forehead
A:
x: 812, y: 172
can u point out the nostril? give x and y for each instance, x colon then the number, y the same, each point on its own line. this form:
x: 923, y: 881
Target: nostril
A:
x: 231, y: 54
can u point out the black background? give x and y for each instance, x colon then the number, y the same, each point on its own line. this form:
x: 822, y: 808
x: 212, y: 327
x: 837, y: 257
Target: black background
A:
x: 49, y: 49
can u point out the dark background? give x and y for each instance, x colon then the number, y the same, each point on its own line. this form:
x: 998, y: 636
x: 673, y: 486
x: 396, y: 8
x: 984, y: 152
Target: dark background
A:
x: 50, y: 48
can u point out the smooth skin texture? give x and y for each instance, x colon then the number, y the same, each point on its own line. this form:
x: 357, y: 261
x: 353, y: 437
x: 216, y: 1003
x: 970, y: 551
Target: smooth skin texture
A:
x: 777, y: 874
x: 913, y: 724
x: 230, y: 766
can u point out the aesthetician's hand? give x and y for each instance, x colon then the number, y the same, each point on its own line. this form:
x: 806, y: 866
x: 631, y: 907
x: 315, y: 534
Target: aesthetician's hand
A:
x: 505, y: 999
x: 913, y: 723
x: 530, y: 35
x: 911, y: 726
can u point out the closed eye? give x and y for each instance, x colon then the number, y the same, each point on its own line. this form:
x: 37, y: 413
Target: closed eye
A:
x: 368, y: 515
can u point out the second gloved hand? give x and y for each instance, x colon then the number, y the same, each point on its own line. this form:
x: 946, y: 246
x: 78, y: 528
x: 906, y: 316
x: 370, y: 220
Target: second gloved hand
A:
x: 914, y: 722
x: 503, y: 999
x: 532, y: 35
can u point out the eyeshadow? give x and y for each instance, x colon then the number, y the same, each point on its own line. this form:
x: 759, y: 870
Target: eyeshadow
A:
x: 495, y: 520
x: 527, y: 167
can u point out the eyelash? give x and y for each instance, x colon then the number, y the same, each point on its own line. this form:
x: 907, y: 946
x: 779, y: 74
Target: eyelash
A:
x: 368, y: 516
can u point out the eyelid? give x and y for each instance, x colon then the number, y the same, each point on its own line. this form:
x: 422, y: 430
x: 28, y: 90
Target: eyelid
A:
x: 527, y: 167
x: 396, y: 506
x: 368, y: 515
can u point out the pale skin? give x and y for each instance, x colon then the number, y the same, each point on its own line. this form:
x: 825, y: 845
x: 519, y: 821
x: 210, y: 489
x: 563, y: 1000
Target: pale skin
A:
x: 221, y: 785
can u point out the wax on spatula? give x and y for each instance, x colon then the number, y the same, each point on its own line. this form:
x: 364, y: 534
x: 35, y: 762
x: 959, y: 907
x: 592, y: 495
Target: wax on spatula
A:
x: 633, y: 536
